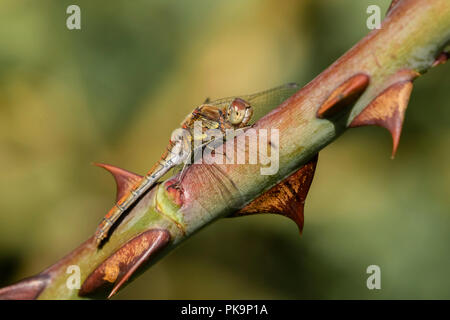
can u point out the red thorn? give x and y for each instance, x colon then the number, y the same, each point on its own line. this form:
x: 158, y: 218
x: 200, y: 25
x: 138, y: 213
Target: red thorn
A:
x: 441, y: 59
x: 387, y: 110
x: 158, y: 241
x: 125, y: 180
x: 286, y: 198
x: 345, y: 95
x: 118, y: 268
x: 393, y: 3
x: 27, y: 289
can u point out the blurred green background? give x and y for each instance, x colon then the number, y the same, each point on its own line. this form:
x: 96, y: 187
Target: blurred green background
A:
x: 114, y: 91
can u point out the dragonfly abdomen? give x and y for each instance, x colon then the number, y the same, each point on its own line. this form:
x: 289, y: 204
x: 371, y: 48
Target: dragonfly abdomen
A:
x: 167, y: 162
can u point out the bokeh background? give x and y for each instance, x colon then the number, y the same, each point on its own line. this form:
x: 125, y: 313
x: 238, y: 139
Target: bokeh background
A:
x: 114, y: 91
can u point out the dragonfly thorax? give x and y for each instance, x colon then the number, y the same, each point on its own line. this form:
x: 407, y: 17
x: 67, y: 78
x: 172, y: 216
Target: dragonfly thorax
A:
x: 181, y: 142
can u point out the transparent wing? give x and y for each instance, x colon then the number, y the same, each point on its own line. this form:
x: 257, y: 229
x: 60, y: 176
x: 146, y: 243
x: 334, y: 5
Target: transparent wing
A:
x: 264, y: 101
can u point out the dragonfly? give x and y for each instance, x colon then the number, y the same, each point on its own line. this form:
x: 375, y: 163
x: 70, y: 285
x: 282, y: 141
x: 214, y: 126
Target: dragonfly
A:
x: 236, y: 112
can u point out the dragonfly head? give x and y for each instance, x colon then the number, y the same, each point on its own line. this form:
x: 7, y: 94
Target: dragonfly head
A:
x: 239, y: 112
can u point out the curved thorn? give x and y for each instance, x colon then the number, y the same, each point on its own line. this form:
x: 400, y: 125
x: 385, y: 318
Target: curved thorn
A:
x: 125, y: 180
x: 387, y: 110
x: 286, y: 198
x: 117, y: 269
x: 344, y: 95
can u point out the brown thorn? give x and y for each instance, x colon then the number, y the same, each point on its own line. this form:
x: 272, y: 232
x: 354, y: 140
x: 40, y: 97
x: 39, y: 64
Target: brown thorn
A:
x: 286, y: 198
x: 345, y: 95
x: 441, y: 59
x: 27, y: 289
x: 387, y: 110
x: 117, y: 269
x: 393, y: 3
x: 125, y: 180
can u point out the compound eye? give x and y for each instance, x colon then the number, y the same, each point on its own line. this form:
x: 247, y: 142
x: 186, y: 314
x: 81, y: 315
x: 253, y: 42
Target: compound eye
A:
x: 237, y: 110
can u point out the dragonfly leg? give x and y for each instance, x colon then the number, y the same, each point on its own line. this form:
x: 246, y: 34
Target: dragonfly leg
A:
x: 183, y: 171
x: 210, y: 145
x: 215, y: 151
x: 241, y: 130
x: 185, y: 165
x: 199, y: 148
